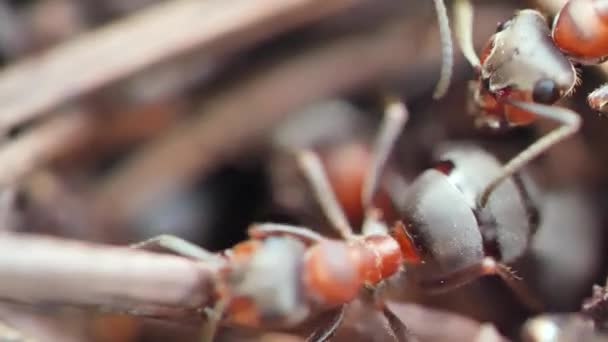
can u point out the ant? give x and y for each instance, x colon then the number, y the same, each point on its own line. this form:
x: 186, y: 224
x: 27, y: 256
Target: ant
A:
x: 525, y: 68
x: 333, y: 272
x: 448, y: 235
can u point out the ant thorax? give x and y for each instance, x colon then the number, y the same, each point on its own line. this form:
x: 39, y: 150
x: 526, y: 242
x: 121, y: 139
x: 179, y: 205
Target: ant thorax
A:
x: 520, y: 62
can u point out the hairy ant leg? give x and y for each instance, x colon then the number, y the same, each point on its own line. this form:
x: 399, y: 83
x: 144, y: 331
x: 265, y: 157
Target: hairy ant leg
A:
x: 486, y: 267
x: 447, y: 50
x: 570, y: 124
x: 313, y: 170
x: 329, y: 327
x: 398, y: 328
x: 177, y: 246
x: 395, y: 118
x: 463, y: 29
x: 187, y: 249
x: 265, y: 230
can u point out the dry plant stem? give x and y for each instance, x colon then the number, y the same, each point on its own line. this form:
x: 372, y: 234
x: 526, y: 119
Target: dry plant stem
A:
x: 37, y: 269
x: 37, y: 85
x: 38, y: 146
x: 10, y: 334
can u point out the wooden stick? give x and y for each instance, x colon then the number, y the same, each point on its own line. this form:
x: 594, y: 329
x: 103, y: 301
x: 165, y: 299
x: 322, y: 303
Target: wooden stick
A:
x: 37, y: 85
x: 37, y: 269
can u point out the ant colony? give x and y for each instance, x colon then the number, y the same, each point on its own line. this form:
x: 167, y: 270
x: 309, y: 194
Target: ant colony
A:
x: 379, y: 208
x: 465, y: 216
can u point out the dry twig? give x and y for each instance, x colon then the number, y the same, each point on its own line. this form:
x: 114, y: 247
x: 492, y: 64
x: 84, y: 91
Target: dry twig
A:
x: 38, y: 84
x: 37, y: 269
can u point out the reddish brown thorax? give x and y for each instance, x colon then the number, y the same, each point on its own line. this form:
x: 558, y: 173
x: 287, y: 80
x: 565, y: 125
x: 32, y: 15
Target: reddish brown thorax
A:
x: 331, y: 273
x: 335, y: 271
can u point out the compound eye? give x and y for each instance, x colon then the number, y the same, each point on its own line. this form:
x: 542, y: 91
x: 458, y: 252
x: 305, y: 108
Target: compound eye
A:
x: 502, y: 25
x: 546, y: 91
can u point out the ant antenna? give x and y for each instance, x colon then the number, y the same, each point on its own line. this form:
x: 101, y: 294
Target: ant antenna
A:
x: 570, y: 124
x: 265, y: 230
x: 313, y: 170
x: 463, y: 28
x: 395, y: 117
x: 447, y: 50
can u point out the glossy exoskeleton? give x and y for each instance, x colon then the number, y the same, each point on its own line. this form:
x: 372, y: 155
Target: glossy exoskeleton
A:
x: 457, y: 238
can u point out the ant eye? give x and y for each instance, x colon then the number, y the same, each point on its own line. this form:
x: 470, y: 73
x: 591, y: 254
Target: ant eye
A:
x: 485, y: 83
x: 502, y: 25
x: 546, y: 91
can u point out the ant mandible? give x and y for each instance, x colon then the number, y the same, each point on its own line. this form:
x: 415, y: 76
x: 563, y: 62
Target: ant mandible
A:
x: 525, y: 68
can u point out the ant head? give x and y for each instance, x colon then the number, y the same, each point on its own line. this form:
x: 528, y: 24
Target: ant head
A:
x: 449, y: 227
x: 522, y: 62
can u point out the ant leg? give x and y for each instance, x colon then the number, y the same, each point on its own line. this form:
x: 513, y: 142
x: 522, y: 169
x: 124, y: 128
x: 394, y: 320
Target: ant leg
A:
x: 214, y: 317
x: 463, y: 28
x: 317, y: 178
x: 264, y: 230
x: 395, y: 117
x: 329, y: 327
x: 176, y: 245
x: 488, y: 266
x: 570, y: 124
x: 447, y: 50
x: 398, y: 328
x: 598, y: 99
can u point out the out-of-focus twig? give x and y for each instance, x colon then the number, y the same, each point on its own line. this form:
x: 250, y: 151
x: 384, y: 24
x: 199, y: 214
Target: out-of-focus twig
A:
x: 36, y: 85
x: 454, y: 327
x: 10, y: 334
x: 241, y: 114
x: 40, y: 145
x: 37, y: 269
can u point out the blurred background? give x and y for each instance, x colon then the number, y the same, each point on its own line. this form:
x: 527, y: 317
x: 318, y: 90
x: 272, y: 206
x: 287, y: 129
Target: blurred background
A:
x: 123, y: 120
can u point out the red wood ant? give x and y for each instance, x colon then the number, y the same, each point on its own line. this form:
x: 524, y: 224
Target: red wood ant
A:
x: 523, y: 70
x: 448, y: 236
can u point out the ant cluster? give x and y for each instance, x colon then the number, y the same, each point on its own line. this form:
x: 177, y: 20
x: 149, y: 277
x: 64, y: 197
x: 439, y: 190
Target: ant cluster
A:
x: 467, y: 217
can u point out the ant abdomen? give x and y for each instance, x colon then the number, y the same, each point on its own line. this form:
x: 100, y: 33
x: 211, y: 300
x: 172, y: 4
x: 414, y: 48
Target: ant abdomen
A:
x: 580, y: 30
x: 508, y: 219
x: 442, y: 226
x: 449, y: 226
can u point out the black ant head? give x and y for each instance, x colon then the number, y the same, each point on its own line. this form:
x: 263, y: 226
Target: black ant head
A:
x: 444, y: 218
x: 522, y: 61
